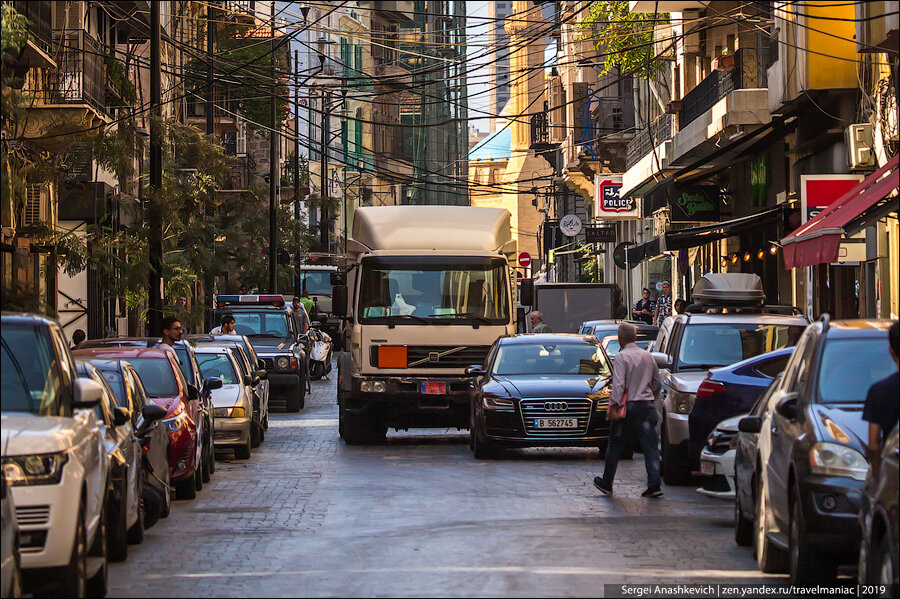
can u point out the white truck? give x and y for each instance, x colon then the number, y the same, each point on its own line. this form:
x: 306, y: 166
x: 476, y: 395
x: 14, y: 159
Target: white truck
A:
x: 428, y: 289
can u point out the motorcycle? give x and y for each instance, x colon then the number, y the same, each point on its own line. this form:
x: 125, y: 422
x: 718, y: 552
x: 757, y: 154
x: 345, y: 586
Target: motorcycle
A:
x: 320, y: 352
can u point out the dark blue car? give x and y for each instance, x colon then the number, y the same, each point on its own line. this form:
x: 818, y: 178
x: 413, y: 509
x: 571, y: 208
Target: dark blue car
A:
x: 730, y: 391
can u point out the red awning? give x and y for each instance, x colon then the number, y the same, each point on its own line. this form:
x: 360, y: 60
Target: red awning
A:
x: 819, y: 239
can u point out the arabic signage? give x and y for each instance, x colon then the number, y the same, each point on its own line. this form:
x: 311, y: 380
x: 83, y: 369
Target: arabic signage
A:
x: 694, y: 203
x: 609, y: 204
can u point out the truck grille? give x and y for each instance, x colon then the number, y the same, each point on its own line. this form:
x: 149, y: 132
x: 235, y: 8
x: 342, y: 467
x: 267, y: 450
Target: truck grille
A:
x: 35, y: 515
x: 580, y: 409
x: 445, y: 356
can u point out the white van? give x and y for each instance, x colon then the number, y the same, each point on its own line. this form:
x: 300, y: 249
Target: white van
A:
x: 428, y: 290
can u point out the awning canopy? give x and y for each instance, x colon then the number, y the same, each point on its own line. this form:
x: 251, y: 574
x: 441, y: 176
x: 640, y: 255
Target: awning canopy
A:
x: 697, y: 236
x: 818, y: 241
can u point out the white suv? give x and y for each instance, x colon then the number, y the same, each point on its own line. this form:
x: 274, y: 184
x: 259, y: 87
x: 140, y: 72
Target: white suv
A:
x: 53, y: 459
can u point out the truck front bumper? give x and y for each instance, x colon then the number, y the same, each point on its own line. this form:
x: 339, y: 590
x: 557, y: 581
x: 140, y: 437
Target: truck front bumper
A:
x: 405, y: 403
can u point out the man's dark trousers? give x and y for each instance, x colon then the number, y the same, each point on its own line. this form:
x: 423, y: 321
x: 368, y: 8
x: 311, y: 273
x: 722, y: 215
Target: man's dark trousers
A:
x: 641, y: 419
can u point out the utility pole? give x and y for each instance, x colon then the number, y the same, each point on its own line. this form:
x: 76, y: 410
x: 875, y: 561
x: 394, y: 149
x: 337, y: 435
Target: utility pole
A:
x: 154, y: 213
x: 273, y: 171
x: 297, y: 166
x: 323, y: 210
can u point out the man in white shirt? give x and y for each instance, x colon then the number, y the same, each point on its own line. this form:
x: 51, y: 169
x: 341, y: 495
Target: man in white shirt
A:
x: 226, y: 328
x: 635, y: 383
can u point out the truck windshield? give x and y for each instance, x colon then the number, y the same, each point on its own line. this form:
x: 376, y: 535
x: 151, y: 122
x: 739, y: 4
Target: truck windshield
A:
x: 317, y: 282
x: 452, y: 291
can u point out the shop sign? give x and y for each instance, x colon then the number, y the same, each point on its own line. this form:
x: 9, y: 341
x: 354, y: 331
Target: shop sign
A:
x: 594, y: 234
x: 817, y: 192
x: 696, y: 203
x: 610, y: 205
x: 570, y: 225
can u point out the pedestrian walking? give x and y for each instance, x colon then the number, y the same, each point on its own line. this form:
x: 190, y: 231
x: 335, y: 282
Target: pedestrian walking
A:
x: 78, y: 338
x: 299, y: 315
x: 881, y: 407
x: 644, y: 308
x: 635, y: 387
x: 537, y: 323
x: 663, y: 304
x: 226, y: 327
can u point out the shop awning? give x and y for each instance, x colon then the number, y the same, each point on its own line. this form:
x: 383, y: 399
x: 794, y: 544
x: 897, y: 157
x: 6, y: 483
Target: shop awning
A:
x: 818, y: 241
x: 644, y: 251
x: 697, y: 236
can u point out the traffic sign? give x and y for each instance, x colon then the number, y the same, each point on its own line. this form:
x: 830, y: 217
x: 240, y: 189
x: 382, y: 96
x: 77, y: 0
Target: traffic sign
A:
x: 524, y: 259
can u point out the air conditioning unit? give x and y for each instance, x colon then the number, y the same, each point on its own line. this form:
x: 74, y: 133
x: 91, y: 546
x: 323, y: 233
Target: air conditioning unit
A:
x: 860, y: 143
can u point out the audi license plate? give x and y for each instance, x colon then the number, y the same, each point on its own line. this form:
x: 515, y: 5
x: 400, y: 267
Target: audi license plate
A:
x: 555, y: 423
x: 434, y: 388
x: 707, y: 468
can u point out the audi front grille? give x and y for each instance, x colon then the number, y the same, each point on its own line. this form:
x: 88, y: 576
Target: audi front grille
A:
x: 580, y: 409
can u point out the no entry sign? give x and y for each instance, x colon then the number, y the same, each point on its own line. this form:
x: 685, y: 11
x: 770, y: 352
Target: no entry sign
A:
x: 524, y: 259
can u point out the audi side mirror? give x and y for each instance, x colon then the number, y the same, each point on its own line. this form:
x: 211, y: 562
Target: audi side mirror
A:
x: 789, y: 406
x: 213, y: 383
x: 750, y: 424
x: 475, y: 370
x: 121, y: 416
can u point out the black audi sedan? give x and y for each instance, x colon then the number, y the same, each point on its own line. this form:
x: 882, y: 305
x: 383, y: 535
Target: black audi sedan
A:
x: 809, y: 465
x: 539, y: 391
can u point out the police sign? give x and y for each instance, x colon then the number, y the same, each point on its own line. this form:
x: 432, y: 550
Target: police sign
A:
x: 609, y: 203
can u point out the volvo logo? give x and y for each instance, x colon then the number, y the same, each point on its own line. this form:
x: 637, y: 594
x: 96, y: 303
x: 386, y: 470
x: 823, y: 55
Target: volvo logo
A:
x: 556, y: 406
x: 434, y: 356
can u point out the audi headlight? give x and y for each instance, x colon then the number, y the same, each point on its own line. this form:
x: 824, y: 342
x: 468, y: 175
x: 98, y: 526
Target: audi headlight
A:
x: 833, y: 459
x: 175, y: 423
x: 492, y: 402
x: 236, y: 412
x: 682, y: 402
x: 283, y: 362
x: 38, y: 469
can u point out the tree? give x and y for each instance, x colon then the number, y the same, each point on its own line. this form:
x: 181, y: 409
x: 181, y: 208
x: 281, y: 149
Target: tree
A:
x: 625, y: 38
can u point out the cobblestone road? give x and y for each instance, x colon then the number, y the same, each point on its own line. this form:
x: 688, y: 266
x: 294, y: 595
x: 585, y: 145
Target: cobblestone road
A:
x: 418, y: 516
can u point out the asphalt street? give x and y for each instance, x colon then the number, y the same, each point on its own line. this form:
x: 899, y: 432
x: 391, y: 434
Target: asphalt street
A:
x: 419, y: 516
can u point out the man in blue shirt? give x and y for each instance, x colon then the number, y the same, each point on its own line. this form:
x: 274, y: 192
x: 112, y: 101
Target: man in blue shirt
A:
x: 881, y: 409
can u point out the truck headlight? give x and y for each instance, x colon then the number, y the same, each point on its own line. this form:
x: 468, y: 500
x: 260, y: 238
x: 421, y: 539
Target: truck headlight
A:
x: 38, y: 469
x: 283, y: 363
x: 832, y: 459
x: 372, y: 387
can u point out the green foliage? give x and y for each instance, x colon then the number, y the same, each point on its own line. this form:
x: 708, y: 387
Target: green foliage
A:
x: 118, y: 78
x: 591, y: 270
x: 625, y: 38
x: 13, y: 30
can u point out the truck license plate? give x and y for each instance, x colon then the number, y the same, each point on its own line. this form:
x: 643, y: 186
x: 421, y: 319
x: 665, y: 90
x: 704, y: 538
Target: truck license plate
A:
x: 555, y: 423
x: 434, y: 388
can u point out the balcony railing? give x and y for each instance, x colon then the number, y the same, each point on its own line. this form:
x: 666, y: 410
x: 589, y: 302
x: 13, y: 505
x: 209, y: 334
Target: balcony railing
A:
x: 40, y: 26
x: 540, y: 130
x: 237, y: 177
x: 660, y: 130
x: 79, y: 76
x: 749, y: 72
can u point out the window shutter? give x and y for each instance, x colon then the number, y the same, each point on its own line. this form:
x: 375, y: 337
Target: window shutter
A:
x: 36, y: 204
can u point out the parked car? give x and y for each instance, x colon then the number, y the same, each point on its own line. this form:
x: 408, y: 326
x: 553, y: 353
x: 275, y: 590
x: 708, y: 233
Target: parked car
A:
x: 188, y: 363
x: 730, y: 391
x: 11, y: 571
x: 717, y: 460
x: 812, y: 446
x: 732, y: 326
x: 605, y: 328
x: 250, y: 367
x: 165, y: 384
x: 233, y: 400
x: 129, y: 393
x: 124, y: 516
x: 53, y: 459
x: 610, y: 345
x: 878, y: 563
x: 540, y: 390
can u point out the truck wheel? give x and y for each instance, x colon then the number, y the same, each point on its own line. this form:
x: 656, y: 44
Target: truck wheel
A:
x: 673, y: 474
x: 356, y: 430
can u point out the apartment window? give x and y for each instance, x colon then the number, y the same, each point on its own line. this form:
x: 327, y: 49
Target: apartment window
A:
x: 37, y: 200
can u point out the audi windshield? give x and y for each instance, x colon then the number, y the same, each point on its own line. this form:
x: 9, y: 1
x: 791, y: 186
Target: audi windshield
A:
x: 551, y: 358
x: 403, y: 290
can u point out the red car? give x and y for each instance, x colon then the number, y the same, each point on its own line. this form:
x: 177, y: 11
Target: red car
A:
x: 166, y: 386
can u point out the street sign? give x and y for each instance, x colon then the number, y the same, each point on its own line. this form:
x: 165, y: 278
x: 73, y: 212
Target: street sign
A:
x: 570, y: 225
x: 593, y: 234
x: 609, y: 205
x: 524, y: 259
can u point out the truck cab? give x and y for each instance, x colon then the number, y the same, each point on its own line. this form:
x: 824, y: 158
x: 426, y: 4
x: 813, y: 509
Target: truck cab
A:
x: 421, y: 305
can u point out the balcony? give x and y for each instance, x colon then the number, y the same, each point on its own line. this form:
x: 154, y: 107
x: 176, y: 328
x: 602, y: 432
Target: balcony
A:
x: 748, y: 72
x: 120, y: 91
x: 79, y: 77
x: 237, y: 177
x: 648, y: 154
x: 660, y: 131
x: 540, y: 132
x: 608, y: 117
x: 37, y: 51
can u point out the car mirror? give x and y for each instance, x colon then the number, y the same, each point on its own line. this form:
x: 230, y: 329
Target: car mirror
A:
x: 193, y: 393
x: 750, y: 424
x: 121, y: 416
x: 526, y: 292
x: 260, y: 363
x: 661, y: 359
x: 789, y: 406
x: 475, y: 370
x: 339, y: 300
x: 213, y: 383
x: 247, y: 380
x: 152, y: 412
x: 262, y: 375
x: 88, y: 393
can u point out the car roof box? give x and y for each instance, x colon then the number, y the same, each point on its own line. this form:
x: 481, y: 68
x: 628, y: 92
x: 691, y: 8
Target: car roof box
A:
x: 729, y: 288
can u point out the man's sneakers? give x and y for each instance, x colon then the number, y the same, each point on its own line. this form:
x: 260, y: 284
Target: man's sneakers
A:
x: 598, y: 482
x: 654, y: 492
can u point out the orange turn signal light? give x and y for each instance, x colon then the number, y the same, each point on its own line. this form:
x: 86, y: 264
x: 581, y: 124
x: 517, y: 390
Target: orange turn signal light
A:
x: 392, y: 356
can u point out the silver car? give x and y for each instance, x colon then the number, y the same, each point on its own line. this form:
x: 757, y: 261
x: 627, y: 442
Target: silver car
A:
x: 232, y: 402
x: 11, y: 571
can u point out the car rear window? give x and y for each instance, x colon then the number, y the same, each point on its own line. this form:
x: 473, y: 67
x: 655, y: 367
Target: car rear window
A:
x: 156, y: 375
x: 217, y: 366
x: 850, y: 366
x: 710, y: 345
x: 551, y: 358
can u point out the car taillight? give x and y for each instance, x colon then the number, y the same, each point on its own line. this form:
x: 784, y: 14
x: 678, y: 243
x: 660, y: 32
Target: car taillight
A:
x: 709, y: 388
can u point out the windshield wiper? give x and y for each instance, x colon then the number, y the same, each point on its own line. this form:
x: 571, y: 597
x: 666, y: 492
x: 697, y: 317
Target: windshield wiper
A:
x: 392, y: 319
x: 476, y: 317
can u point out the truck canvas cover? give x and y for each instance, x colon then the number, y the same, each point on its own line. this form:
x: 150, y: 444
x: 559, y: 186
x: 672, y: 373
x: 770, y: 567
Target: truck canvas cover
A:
x: 432, y: 228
